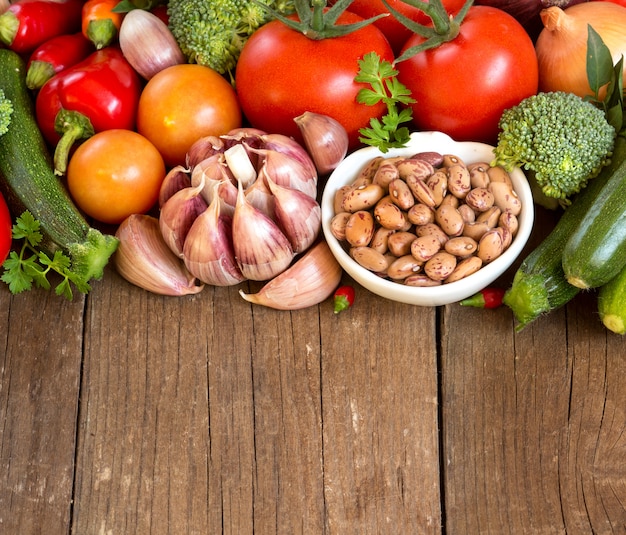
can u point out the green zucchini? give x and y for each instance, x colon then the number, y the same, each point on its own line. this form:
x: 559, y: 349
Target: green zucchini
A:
x: 596, y: 250
x: 540, y: 285
x: 612, y: 303
x: 28, y: 181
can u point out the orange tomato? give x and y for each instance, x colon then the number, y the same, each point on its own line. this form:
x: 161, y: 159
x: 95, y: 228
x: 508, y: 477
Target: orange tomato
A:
x: 183, y: 103
x: 114, y: 174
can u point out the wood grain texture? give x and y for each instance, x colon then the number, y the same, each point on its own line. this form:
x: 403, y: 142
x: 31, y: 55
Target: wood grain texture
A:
x: 205, y: 414
x: 40, y: 362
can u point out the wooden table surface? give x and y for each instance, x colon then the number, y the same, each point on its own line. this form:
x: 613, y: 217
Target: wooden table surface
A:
x: 129, y: 413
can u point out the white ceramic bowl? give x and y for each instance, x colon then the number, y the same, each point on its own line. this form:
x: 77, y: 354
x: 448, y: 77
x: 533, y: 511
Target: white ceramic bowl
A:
x: 444, y: 294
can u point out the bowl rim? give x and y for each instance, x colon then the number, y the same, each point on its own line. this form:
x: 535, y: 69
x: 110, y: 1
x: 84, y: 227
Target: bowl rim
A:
x: 435, y: 295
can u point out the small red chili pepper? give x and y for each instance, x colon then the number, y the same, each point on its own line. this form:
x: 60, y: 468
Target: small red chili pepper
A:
x: 6, y: 226
x: 487, y: 298
x: 99, y: 93
x: 28, y: 23
x: 100, y: 23
x: 54, y: 56
x: 343, y: 299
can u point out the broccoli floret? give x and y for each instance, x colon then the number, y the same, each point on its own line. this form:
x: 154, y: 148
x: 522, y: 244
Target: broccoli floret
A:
x: 561, y: 139
x: 6, y: 110
x: 212, y: 33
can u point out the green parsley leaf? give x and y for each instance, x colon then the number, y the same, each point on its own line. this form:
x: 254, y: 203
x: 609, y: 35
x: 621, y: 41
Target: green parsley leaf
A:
x: 32, y: 266
x: 385, y: 87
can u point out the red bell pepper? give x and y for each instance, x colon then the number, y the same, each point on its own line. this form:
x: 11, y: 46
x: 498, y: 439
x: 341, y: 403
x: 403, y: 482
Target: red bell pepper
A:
x: 29, y: 23
x: 54, y: 56
x: 99, y: 93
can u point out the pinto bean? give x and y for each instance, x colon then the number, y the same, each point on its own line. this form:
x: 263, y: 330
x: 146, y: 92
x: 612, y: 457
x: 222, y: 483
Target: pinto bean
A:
x: 421, y: 280
x: 388, y: 215
x: 421, y: 191
x: 380, y: 239
x: 449, y: 219
x: 423, y: 248
x: 338, y: 225
x: 479, y: 177
x: 505, y: 197
x: 465, y: 268
x: 461, y: 246
x: 403, y: 267
x: 370, y: 259
x: 459, y: 182
x: 420, y: 214
x: 400, y: 194
x: 359, y: 228
x: 479, y: 199
x: 415, y: 167
x: 362, y: 197
x: 490, y: 246
x: 440, y: 266
x: 386, y: 173
x: 399, y: 243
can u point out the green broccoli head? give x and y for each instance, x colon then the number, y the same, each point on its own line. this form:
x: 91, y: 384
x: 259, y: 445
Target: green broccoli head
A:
x: 563, y: 140
x: 6, y: 110
x: 212, y: 33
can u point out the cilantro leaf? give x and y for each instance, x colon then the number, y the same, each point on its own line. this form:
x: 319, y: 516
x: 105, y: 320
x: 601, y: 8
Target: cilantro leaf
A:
x: 385, y: 87
x: 32, y: 266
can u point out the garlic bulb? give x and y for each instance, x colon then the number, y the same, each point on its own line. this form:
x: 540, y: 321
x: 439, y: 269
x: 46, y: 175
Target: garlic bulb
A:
x: 325, y: 138
x: 309, y: 281
x: 144, y: 259
x: 261, y: 249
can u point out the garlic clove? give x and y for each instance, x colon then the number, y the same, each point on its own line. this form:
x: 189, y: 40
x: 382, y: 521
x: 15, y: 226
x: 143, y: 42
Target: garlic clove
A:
x: 210, y: 171
x: 240, y: 165
x: 290, y: 147
x: 208, y: 251
x: 203, y: 148
x: 144, y: 259
x: 260, y: 196
x: 178, y: 214
x: 287, y: 171
x: 307, y: 282
x: 297, y: 214
x: 261, y: 249
x: 148, y: 44
x: 325, y: 138
x: 176, y: 179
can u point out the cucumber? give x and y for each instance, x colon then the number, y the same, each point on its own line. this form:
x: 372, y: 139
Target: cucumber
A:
x: 612, y: 303
x: 596, y: 250
x: 540, y: 285
x: 28, y: 181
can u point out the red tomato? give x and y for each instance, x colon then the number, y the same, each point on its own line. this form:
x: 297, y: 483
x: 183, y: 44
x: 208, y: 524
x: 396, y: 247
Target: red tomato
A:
x: 114, y: 174
x: 396, y: 33
x: 5, y: 230
x: 463, y: 86
x: 281, y: 74
x: 183, y: 103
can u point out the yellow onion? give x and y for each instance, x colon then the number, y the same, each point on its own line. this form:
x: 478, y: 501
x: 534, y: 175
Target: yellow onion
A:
x: 562, y: 44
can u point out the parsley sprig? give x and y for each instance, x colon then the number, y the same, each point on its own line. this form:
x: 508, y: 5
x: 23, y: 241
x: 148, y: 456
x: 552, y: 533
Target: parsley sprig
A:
x: 386, y: 132
x: 32, y: 266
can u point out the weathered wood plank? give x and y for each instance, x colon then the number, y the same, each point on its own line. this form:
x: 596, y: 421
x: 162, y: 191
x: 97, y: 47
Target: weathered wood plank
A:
x: 143, y: 450
x: 379, y: 399
x: 40, y: 361
x: 533, y: 423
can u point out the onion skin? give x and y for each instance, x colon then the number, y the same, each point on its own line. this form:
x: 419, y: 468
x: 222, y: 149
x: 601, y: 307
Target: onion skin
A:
x: 562, y: 45
x: 527, y: 11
